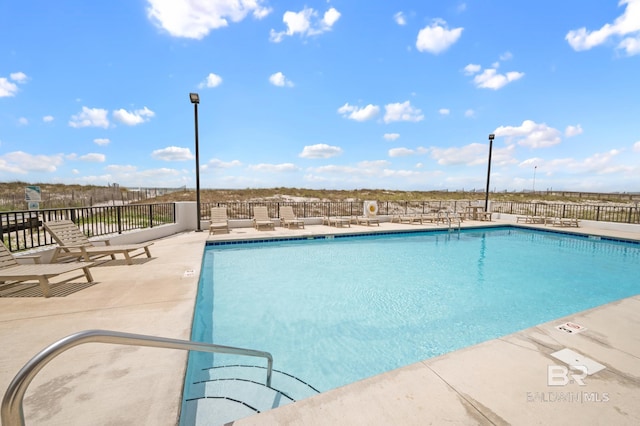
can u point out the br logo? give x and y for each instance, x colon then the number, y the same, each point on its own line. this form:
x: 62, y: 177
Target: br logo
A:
x: 559, y: 375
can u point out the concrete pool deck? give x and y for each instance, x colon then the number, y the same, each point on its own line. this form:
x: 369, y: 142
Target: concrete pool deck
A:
x: 501, y: 381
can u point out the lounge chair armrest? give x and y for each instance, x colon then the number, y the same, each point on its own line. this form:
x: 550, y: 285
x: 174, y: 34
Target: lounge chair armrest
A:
x: 35, y: 258
x: 73, y: 245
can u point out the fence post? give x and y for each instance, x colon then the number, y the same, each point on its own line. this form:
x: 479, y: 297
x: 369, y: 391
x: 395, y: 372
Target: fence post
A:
x: 151, y: 215
x: 119, y: 216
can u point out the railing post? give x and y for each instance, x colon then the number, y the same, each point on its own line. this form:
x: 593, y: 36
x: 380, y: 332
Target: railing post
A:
x: 151, y: 215
x: 119, y: 218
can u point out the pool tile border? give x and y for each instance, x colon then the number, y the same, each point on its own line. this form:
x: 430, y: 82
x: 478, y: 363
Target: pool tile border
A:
x: 276, y: 239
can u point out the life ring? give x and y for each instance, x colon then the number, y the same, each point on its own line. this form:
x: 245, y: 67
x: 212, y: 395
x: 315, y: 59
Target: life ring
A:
x: 370, y: 208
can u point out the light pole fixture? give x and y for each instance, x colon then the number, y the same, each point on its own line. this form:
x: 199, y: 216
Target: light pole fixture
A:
x: 486, y: 193
x: 195, y: 100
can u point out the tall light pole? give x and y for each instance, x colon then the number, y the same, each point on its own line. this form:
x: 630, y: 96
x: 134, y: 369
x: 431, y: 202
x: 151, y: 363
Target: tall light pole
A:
x: 534, y: 178
x: 486, y: 193
x: 195, y: 100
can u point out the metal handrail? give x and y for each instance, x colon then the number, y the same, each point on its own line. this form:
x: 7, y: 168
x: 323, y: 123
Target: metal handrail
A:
x: 11, y: 410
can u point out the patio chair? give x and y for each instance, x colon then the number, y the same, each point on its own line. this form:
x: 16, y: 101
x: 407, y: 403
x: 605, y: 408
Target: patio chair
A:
x: 370, y: 215
x: 336, y: 221
x: 12, y: 272
x: 261, y: 218
x: 406, y: 217
x: 565, y: 221
x: 219, y: 222
x: 288, y: 218
x: 72, y: 243
x: 368, y: 220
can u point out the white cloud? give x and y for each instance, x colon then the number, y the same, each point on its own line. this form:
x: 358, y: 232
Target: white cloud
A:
x: 506, y: 56
x: 20, y: 162
x: 600, y: 163
x: 18, y: 77
x: 305, y: 23
x: 375, y: 164
x: 212, y: 80
x: 330, y: 17
x: 403, y: 152
x: 48, y: 118
x: 402, y: 112
x: 472, y: 155
x: 121, y: 168
x: 530, y: 134
x: 573, y: 131
x: 436, y: 38
x: 215, y: 163
x: 626, y: 25
x: 391, y: 136
x: 636, y: 146
x: 631, y: 45
x: 400, y: 18
x: 196, y: 18
x: 90, y: 117
x: 101, y: 141
x: 279, y: 79
x: 172, y: 153
x: 469, y: 113
x: 274, y: 168
x: 472, y: 69
x: 490, y: 79
x: 359, y: 114
x: 132, y: 118
x: 7, y: 88
x: 320, y: 150
x: 444, y: 111
x: 93, y: 158
x: 23, y: 121
x: 400, y: 152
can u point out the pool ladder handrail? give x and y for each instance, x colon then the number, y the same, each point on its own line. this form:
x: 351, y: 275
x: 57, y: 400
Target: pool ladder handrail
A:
x: 11, y: 410
x: 453, y: 217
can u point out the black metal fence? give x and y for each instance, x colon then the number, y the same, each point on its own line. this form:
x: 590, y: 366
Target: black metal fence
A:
x: 604, y: 213
x: 21, y: 230
x: 244, y: 210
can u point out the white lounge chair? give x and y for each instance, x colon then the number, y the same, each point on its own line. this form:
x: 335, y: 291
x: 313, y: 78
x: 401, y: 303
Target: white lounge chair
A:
x: 261, y: 218
x: 337, y: 221
x: 565, y: 221
x: 12, y: 272
x: 288, y: 218
x: 219, y: 222
x: 72, y: 243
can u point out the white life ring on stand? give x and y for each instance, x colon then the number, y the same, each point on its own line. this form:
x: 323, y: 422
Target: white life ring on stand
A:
x: 370, y: 208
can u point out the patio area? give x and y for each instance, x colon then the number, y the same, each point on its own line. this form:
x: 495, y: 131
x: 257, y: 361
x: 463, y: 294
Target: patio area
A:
x: 502, y: 381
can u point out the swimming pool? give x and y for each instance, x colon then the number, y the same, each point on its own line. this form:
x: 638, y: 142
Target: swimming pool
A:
x: 333, y: 311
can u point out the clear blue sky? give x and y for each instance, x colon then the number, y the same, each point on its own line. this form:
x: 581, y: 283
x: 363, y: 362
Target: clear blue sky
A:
x: 335, y: 94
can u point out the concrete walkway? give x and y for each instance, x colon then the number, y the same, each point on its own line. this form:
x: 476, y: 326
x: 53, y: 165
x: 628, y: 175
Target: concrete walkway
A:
x: 502, y: 381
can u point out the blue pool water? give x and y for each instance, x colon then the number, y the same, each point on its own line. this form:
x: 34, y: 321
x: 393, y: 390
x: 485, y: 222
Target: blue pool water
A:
x: 334, y: 311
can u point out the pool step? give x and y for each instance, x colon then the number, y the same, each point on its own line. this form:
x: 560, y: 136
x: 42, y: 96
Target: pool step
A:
x: 227, y: 393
